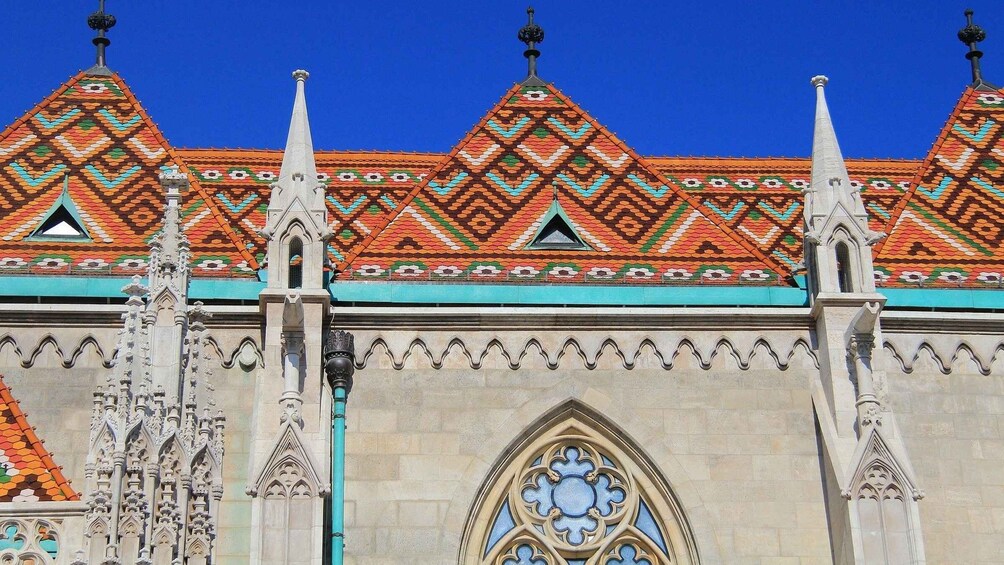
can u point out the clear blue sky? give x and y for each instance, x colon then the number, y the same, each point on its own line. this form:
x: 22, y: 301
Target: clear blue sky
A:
x: 671, y: 78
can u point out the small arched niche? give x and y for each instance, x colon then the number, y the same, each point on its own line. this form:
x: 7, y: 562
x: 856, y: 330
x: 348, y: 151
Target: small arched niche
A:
x: 845, y: 271
x: 295, y: 271
x: 575, y: 490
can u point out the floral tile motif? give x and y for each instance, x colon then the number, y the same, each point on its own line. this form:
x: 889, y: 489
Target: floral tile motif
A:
x: 27, y: 472
x: 762, y: 200
x: 469, y: 215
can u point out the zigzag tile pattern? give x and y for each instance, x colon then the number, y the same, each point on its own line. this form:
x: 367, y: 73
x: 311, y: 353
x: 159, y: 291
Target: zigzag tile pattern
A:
x: 761, y: 199
x: 475, y: 213
x: 677, y: 220
x: 949, y: 229
x: 27, y: 471
x: 93, y: 132
x: 362, y: 189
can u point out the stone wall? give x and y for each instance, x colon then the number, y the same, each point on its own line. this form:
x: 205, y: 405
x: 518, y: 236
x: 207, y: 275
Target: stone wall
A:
x: 725, y: 414
x: 738, y: 446
x: 953, y: 427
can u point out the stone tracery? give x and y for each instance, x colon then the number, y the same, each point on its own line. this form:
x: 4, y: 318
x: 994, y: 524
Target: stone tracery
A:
x: 574, y: 495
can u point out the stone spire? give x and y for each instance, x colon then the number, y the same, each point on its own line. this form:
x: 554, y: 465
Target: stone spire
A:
x: 830, y: 183
x: 170, y: 249
x: 153, y: 469
x: 298, y: 171
x: 296, y: 228
x: 838, y: 241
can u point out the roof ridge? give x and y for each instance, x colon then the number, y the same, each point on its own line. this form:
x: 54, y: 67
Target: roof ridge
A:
x: 696, y: 204
x: 210, y: 203
x: 36, y: 444
x: 939, y: 141
x: 25, y: 116
x: 429, y: 177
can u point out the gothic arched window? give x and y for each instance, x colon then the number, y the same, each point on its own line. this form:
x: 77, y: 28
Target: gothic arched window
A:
x: 576, y: 493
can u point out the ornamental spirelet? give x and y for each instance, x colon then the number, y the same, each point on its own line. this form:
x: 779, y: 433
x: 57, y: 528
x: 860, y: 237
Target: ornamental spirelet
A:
x: 531, y: 33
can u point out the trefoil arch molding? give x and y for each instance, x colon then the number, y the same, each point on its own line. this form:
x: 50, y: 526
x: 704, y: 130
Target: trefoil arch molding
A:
x: 573, y: 489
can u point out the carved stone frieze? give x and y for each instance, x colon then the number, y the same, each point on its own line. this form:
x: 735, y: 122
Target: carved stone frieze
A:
x: 589, y: 350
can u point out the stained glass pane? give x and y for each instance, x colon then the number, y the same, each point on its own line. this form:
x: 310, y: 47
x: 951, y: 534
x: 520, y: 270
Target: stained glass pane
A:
x: 502, y: 525
x: 646, y: 523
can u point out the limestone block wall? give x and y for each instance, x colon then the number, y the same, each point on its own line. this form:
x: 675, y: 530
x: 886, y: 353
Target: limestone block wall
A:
x: 725, y: 415
x: 946, y: 388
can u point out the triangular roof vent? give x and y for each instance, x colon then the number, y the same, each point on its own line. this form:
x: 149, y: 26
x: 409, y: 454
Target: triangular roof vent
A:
x: 62, y: 221
x: 556, y: 231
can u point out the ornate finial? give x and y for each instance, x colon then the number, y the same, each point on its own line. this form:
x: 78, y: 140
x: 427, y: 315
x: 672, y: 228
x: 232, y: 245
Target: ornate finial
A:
x: 819, y: 80
x: 339, y: 357
x: 971, y: 35
x: 531, y: 34
x: 101, y: 22
x: 300, y: 74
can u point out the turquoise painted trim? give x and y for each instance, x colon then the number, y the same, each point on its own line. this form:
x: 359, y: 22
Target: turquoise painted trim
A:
x: 641, y: 295
x: 224, y: 289
x: 338, y: 476
x: 111, y: 287
x: 540, y: 295
x: 948, y: 298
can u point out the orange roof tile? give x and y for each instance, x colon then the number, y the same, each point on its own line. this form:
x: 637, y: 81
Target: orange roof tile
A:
x: 948, y: 229
x: 362, y: 188
x: 93, y: 132
x: 478, y: 208
x: 27, y: 471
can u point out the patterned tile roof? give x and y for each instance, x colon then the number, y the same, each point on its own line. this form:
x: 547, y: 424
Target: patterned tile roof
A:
x: 362, y: 188
x: 667, y: 219
x: 761, y: 199
x: 949, y: 228
x: 27, y: 472
x: 477, y: 210
x: 93, y: 133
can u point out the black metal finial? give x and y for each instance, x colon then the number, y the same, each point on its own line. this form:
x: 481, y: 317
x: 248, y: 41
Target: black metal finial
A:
x: 971, y: 35
x: 339, y: 359
x: 531, y: 34
x: 101, y: 22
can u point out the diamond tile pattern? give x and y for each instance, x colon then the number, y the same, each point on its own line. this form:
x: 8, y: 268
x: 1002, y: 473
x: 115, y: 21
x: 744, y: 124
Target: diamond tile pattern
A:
x: 27, y: 472
x: 480, y: 206
x: 949, y: 228
x: 761, y: 199
x: 362, y: 188
x: 93, y: 132
x: 469, y: 215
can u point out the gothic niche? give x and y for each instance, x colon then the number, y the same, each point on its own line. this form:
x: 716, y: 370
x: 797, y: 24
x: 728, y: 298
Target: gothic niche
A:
x: 576, y: 493
x: 288, y: 497
x: 884, y: 513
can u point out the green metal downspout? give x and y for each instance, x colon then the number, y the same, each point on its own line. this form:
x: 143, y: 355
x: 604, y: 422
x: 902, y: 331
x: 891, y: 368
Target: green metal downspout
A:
x: 339, y: 365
